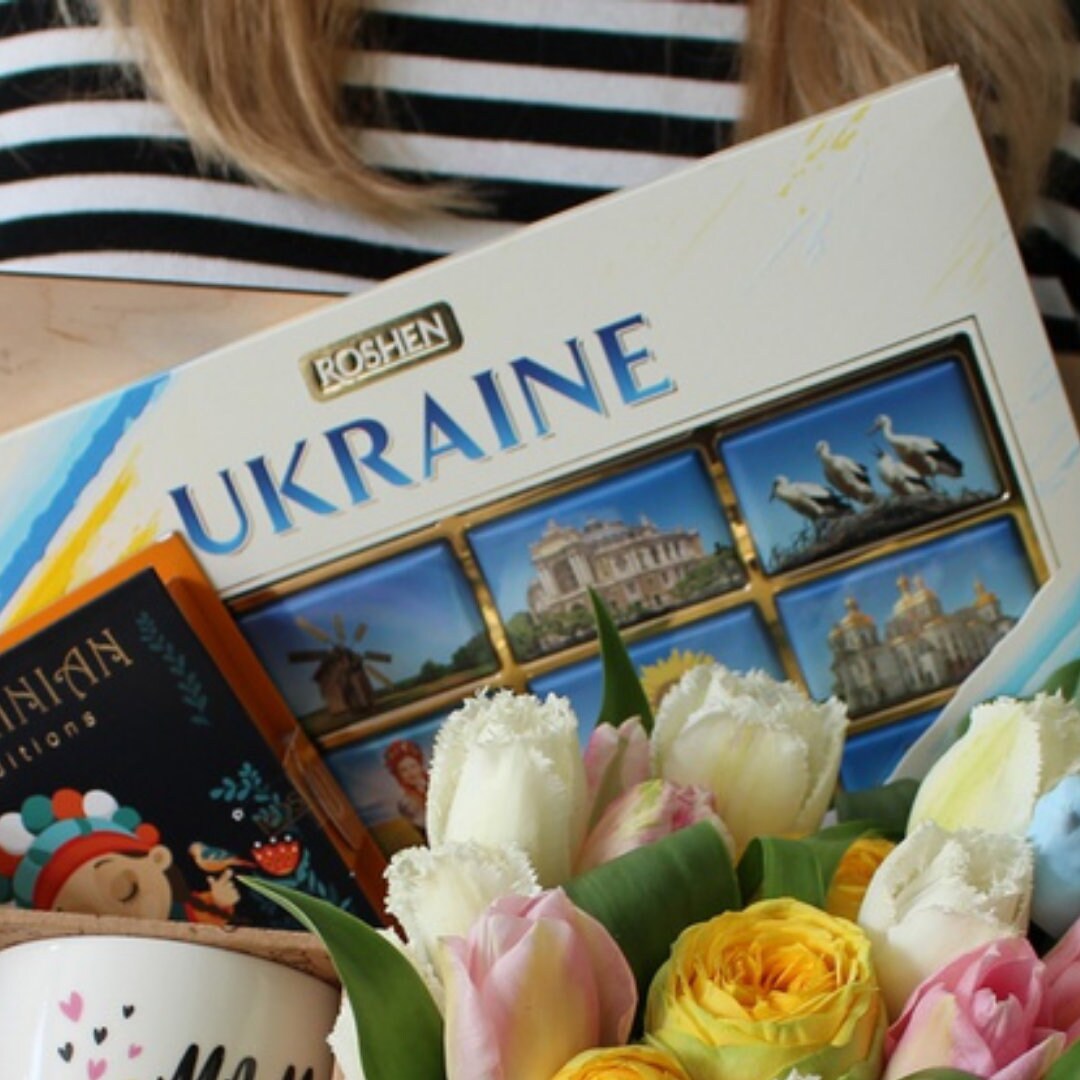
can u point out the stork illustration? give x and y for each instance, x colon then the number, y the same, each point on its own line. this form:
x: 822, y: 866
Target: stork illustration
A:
x: 847, y: 475
x: 813, y: 501
x: 346, y: 676
x: 926, y: 455
x: 901, y: 479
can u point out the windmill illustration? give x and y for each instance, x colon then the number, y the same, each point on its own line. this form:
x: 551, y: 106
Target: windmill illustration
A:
x: 346, y: 675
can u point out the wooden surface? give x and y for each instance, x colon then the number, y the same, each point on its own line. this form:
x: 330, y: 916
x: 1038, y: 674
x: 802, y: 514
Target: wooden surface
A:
x: 298, y: 950
x: 66, y: 340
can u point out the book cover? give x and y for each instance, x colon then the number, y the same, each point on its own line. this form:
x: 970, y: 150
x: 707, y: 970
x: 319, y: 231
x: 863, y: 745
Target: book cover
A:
x: 139, y: 762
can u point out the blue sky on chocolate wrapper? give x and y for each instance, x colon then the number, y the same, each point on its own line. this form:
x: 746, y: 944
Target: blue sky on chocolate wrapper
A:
x: 417, y: 607
x: 991, y: 554
x: 737, y: 639
x: 934, y: 401
x: 674, y: 493
x: 44, y: 472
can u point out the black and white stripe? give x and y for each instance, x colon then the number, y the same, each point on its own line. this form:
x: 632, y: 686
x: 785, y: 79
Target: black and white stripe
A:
x: 539, y: 105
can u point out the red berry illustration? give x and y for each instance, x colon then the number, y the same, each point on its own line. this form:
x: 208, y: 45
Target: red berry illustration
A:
x: 278, y: 856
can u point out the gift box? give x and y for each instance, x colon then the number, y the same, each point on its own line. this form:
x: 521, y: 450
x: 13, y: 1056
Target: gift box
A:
x: 792, y: 407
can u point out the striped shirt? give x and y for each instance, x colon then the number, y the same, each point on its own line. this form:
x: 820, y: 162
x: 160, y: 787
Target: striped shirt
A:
x: 539, y: 105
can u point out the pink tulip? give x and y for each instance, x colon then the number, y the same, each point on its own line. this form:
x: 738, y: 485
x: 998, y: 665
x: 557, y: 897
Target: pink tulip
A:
x: 647, y: 812
x: 616, y: 758
x: 534, y: 982
x: 1061, y: 1009
x: 983, y: 1013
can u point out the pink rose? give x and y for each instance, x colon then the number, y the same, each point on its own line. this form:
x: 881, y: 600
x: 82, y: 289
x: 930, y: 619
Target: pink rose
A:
x: 984, y: 1012
x: 1061, y: 1009
x: 648, y: 812
x: 534, y: 982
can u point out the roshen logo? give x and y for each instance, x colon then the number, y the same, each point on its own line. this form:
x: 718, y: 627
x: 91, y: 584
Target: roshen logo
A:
x: 348, y: 364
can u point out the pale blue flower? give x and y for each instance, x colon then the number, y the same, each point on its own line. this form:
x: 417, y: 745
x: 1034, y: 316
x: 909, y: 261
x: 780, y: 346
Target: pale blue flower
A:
x: 1055, y: 836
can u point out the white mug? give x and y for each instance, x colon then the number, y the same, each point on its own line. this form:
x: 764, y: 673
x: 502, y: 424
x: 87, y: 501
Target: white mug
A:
x: 131, y: 1008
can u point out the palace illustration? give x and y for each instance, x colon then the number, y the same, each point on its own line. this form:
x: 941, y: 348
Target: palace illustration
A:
x: 633, y: 567
x: 924, y: 647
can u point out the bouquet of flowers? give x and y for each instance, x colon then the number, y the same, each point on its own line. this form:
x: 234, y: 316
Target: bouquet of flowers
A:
x: 690, y: 899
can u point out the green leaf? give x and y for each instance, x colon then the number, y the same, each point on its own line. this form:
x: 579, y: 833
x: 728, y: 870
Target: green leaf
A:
x: 888, y: 806
x: 647, y: 897
x: 398, y: 1024
x: 624, y: 695
x: 774, y: 866
x: 830, y: 845
x: 1067, y: 680
x: 1067, y: 1067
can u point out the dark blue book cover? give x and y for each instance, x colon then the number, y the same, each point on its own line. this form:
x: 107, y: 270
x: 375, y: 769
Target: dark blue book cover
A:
x: 134, y: 781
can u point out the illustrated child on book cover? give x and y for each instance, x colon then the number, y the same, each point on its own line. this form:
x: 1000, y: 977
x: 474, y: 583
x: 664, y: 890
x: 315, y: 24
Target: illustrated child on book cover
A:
x: 84, y: 852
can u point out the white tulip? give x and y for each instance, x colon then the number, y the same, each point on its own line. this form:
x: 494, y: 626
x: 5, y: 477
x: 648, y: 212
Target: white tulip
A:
x: 993, y: 775
x: 939, y: 894
x: 769, y: 754
x: 442, y: 891
x: 507, y: 769
x: 345, y: 1045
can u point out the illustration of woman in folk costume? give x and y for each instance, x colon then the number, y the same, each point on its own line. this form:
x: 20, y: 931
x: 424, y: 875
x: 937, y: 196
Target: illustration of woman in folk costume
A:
x: 405, y: 760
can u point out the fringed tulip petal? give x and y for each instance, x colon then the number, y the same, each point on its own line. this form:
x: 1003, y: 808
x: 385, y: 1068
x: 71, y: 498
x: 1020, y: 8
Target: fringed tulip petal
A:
x: 440, y: 892
x: 991, y: 778
x: 767, y: 752
x: 507, y: 769
x: 939, y: 894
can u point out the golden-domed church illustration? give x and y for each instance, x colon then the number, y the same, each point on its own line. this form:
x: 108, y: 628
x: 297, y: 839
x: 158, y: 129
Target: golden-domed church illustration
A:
x: 925, y: 647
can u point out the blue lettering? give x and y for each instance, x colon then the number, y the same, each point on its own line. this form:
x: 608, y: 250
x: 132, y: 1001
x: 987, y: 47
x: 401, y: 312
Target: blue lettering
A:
x: 348, y: 462
x: 274, y: 493
x: 622, y: 362
x: 496, y: 407
x: 360, y: 448
x: 437, y: 420
x: 196, y: 528
x: 584, y: 392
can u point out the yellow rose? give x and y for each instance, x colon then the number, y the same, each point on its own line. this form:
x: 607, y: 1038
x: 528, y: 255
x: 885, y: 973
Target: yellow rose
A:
x: 857, y: 867
x: 755, y: 993
x: 623, y: 1063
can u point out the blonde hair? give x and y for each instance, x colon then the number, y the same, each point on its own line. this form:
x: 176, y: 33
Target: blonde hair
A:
x: 1015, y: 56
x: 257, y: 84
